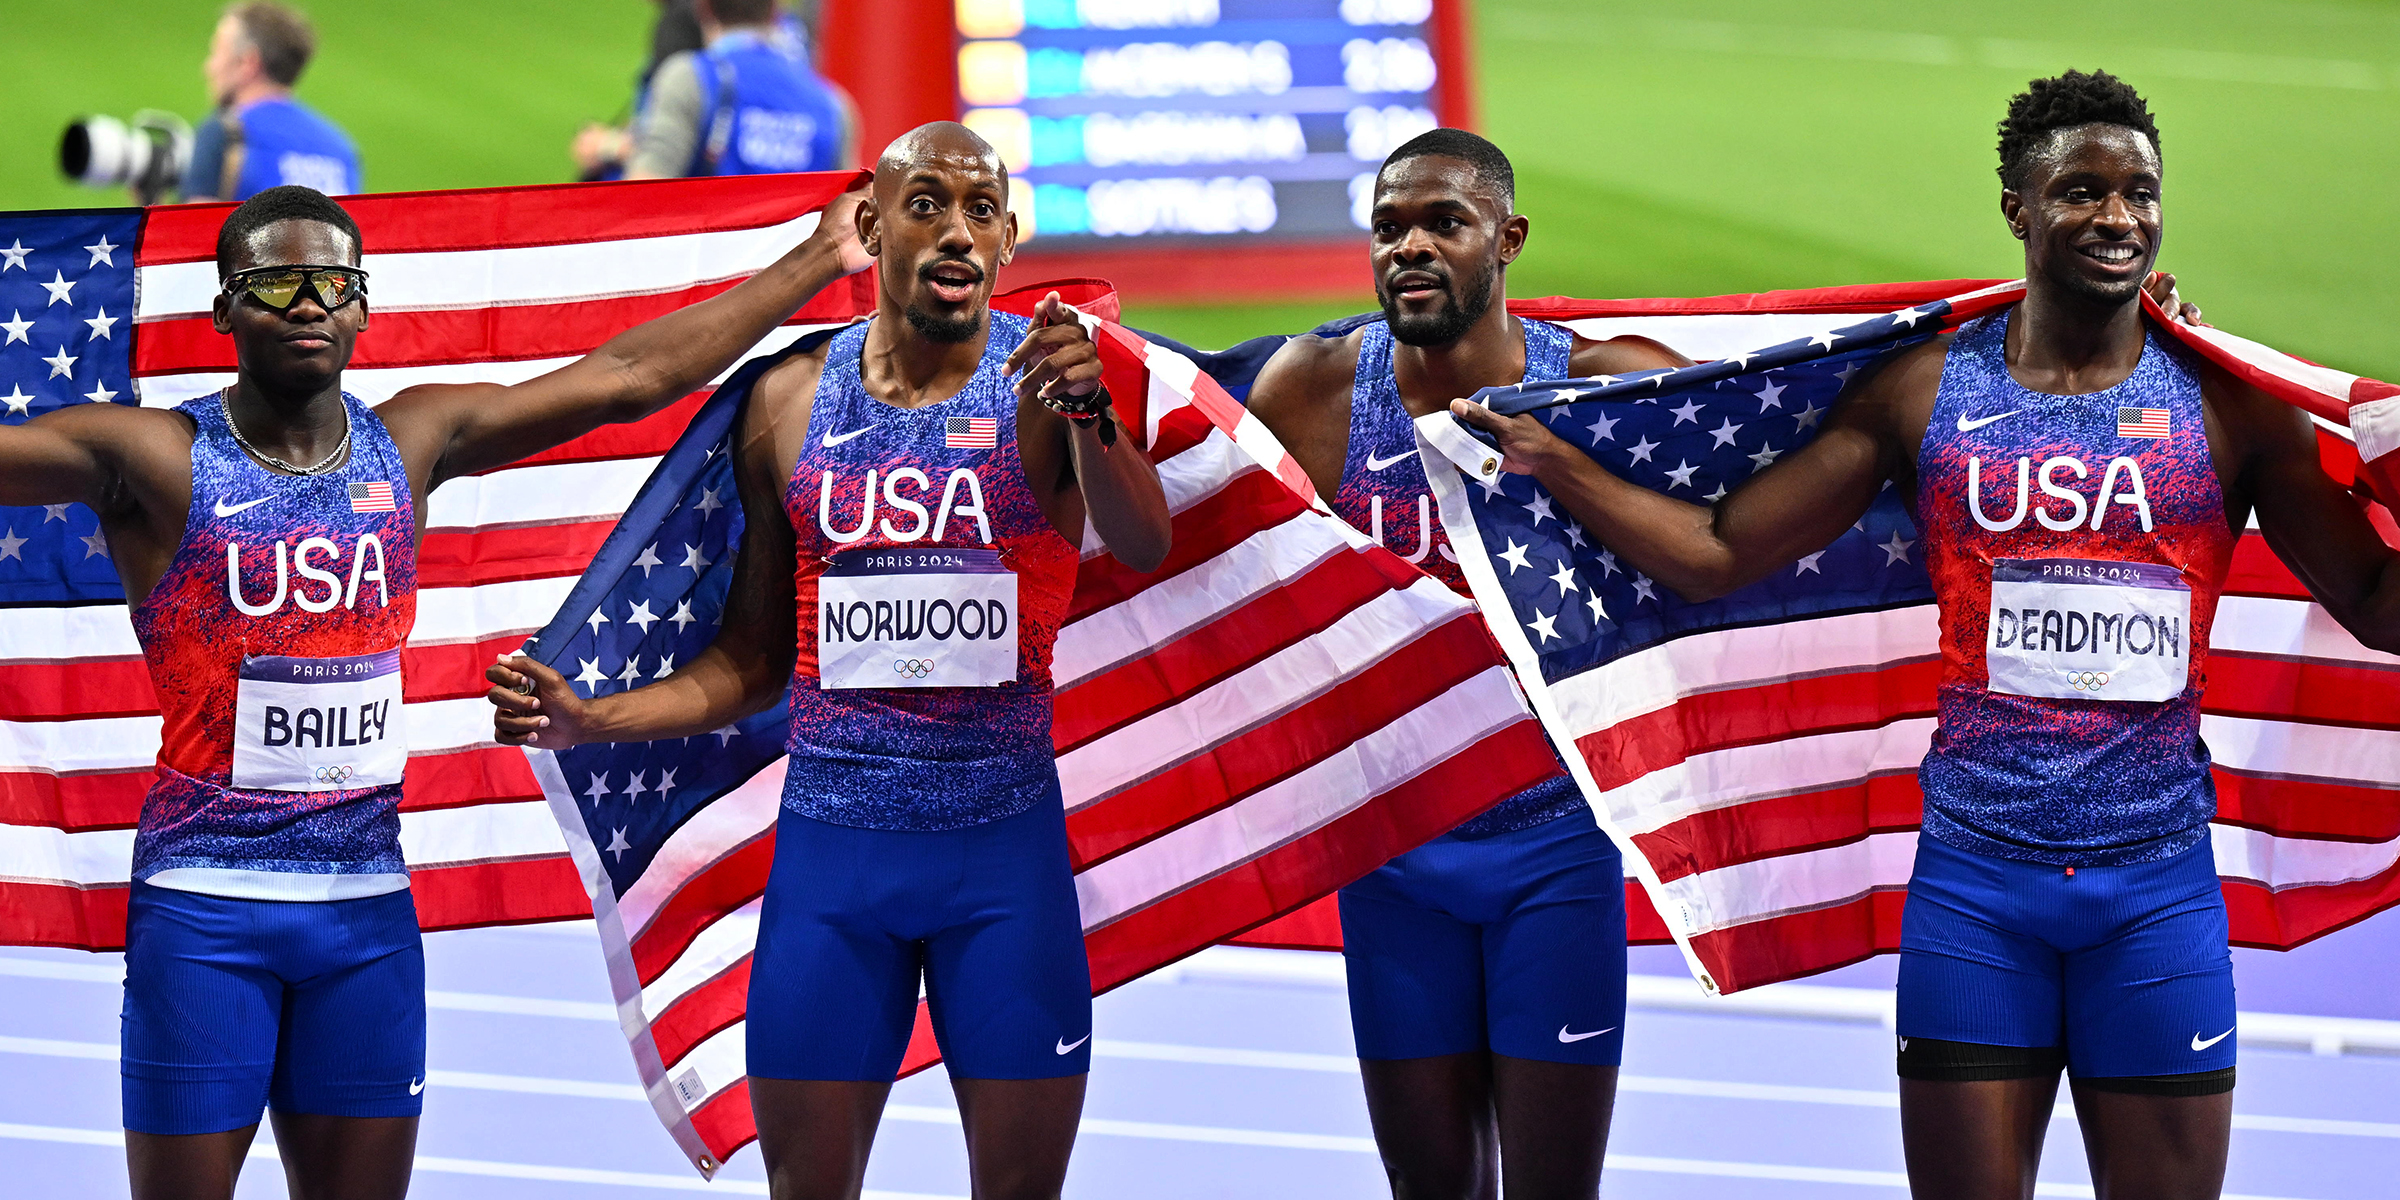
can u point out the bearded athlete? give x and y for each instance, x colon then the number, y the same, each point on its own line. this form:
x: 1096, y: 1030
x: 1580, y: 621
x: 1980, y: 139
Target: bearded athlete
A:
x: 2065, y: 910
x: 266, y: 536
x: 922, y: 834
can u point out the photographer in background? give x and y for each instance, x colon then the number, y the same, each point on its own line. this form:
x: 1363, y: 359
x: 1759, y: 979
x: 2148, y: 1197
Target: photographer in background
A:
x: 748, y: 103
x: 259, y: 136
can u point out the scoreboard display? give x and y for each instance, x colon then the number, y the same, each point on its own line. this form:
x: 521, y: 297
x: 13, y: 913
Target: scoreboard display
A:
x: 1224, y: 124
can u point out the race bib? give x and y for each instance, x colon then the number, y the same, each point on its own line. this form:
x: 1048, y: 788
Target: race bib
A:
x: 916, y: 618
x: 2082, y: 629
x: 318, y: 724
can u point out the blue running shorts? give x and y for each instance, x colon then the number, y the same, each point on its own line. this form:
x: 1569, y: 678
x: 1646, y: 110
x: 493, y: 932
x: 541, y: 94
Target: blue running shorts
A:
x: 235, y: 1005
x: 985, y: 915
x: 1513, y: 943
x: 2124, y: 967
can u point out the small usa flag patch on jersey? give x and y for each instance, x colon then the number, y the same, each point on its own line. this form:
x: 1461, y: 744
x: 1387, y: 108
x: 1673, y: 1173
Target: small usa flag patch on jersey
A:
x: 971, y: 433
x: 2142, y: 422
x: 371, y: 497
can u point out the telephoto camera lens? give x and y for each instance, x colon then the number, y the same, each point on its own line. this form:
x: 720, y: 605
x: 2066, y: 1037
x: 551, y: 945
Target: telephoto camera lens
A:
x: 147, y: 155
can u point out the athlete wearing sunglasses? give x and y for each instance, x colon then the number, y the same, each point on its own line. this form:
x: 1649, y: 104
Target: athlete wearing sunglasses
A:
x: 279, y: 288
x: 266, y: 538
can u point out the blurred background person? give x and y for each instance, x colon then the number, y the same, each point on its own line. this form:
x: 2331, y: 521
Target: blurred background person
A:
x: 748, y: 103
x: 260, y: 136
x: 600, y: 149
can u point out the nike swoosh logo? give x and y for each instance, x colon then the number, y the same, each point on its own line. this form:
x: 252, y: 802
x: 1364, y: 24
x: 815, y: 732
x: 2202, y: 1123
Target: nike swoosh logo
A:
x: 227, y: 510
x: 1968, y: 424
x: 1377, y: 464
x: 416, y: 1085
x: 2197, y: 1044
x: 836, y: 439
x: 1067, y: 1047
x: 1564, y: 1036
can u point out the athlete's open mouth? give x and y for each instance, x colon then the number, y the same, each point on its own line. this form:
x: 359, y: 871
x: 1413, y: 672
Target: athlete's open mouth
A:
x: 2112, y: 254
x: 1417, y: 285
x: 952, y: 281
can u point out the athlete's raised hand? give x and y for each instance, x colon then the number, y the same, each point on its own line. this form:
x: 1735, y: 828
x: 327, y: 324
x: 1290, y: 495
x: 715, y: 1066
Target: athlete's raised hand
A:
x: 535, y: 706
x: 1524, y: 442
x: 837, y: 227
x: 2161, y: 287
x: 1057, y: 358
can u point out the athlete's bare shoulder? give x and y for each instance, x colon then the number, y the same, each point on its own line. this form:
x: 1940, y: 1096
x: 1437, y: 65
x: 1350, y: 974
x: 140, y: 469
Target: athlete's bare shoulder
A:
x: 1302, y: 396
x: 776, y: 419
x: 1893, y: 399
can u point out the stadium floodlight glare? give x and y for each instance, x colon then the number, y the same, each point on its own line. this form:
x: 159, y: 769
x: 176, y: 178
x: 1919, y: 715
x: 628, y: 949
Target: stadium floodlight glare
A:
x: 147, y: 154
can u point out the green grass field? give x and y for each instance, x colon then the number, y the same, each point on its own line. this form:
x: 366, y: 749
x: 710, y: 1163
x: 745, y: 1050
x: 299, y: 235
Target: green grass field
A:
x: 1662, y: 148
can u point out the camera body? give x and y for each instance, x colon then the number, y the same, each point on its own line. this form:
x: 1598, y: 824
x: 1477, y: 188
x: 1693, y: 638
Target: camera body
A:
x: 147, y: 155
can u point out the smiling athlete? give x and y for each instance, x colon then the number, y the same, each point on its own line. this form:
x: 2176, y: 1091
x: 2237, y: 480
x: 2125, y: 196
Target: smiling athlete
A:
x: 2065, y: 910
x: 266, y: 536
x: 896, y: 467
x: 1487, y: 967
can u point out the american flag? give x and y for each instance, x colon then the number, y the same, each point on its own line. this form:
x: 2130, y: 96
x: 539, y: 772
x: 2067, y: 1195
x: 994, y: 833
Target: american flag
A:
x: 373, y: 496
x: 1759, y: 751
x: 2142, y: 422
x: 1274, y: 712
x: 500, y: 284
x: 971, y: 433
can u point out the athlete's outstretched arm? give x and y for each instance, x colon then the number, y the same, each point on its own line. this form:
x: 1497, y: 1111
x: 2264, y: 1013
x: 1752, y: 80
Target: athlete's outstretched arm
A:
x: 1792, y: 508
x: 743, y: 670
x: 1072, y: 472
x: 477, y: 426
x: 2312, y: 523
x: 62, y: 457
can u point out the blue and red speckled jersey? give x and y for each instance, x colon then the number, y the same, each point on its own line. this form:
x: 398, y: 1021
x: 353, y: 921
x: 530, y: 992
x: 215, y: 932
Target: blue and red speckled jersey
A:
x: 872, y: 477
x: 276, y: 570
x: 1384, y: 492
x: 2093, y: 533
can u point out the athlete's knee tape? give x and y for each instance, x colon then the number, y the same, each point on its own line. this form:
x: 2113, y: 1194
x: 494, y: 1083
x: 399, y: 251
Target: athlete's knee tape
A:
x: 1934, y: 1060
x: 2198, y: 1083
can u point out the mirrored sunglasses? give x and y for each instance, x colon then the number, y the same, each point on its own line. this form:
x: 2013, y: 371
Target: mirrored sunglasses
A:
x: 279, y: 287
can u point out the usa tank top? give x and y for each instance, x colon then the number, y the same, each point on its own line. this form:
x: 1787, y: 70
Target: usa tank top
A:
x: 931, y: 589
x: 273, y: 642
x: 2077, y: 546
x: 1385, y: 494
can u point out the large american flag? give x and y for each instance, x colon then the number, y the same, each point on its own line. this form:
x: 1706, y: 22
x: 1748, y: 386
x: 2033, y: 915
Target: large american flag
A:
x: 499, y: 284
x: 1277, y: 710
x: 1759, y: 751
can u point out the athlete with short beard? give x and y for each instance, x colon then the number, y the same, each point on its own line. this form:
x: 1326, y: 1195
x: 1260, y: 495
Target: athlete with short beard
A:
x: 266, y: 535
x: 2065, y: 909
x: 1487, y: 967
x: 922, y: 833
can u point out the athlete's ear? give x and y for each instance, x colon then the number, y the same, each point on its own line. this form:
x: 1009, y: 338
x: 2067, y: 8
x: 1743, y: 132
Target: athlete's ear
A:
x: 220, y: 312
x: 1008, y: 238
x: 2012, y: 207
x: 1514, y: 229
x: 870, y: 227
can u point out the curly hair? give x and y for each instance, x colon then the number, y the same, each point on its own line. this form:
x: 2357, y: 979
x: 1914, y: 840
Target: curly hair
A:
x: 2064, y: 102
x: 287, y: 202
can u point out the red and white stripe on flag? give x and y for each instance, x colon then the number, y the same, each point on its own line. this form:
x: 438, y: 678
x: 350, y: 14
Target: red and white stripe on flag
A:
x: 1277, y: 710
x: 971, y: 433
x: 2141, y: 422
x: 1767, y: 776
x: 496, y: 284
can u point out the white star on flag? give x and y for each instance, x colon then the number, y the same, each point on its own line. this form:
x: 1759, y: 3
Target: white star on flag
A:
x: 99, y: 394
x: 1514, y: 556
x: 666, y: 782
x: 1545, y: 624
x: 1896, y: 550
x: 62, y: 363
x: 60, y: 288
x: 1641, y: 449
x: 1689, y: 412
x: 725, y: 736
x: 1770, y: 396
x: 53, y: 512
x: 596, y: 620
x: 647, y: 559
x: 683, y: 615
x: 1908, y: 317
x: 636, y: 786
x: 12, y: 546
x: 1724, y: 433
x: 1642, y: 589
x: 19, y: 404
x: 1808, y: 563
x: 96, y: 545
x: 1808, y: 417
x: 1565, y: 579
x: 598, y: 789
x: 693, y: 558
x: 642, y: 616
x: 15, y: 255
x: 1540, y: 507
x: 1599, y: 610
x: 1681, y: 476
x: 101, y: 324
x: 1605, y: 427
x: 1608, y: 563
x: 632, y: 671
x: 1766, y: 456
x: 1575, y: 535
x: 666, y: 667
x: 591, y: 677
x: 617, y: 845
x: 16, y: 326
x: 1716, y: 495
x: 709, y: 502
x: 1826, y: 339
x: 101, y: 252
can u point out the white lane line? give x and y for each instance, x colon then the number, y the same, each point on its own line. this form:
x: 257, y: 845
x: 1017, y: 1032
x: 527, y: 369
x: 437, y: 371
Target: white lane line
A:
x: 264, y: 1149
x: 1286, y: 1060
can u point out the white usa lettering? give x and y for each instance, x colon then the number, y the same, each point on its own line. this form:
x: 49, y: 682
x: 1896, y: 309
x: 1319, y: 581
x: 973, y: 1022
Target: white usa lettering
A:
x: 962, y: 496
x: 2060, y: 519
x: 288, y: 559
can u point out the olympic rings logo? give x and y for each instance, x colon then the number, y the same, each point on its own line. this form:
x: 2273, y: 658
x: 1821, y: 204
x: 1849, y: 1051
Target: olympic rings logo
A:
x: 335, y: 775
x: 2087, y: 681
x: 913, y: 668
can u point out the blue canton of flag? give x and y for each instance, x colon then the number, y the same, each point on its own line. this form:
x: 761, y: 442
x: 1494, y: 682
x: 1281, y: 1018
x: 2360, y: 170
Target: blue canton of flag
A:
x: 66, y: 287
x: 1695, y: 434
x: 652, y: 600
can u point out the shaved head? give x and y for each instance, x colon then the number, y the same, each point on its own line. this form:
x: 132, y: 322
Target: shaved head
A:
x: 934, y: 145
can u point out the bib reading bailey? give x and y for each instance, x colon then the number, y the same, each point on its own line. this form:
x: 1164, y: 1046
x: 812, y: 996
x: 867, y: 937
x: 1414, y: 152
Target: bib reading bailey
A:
x: 931, y: 588
x: 274, y: 644
x: 2077, y: 546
